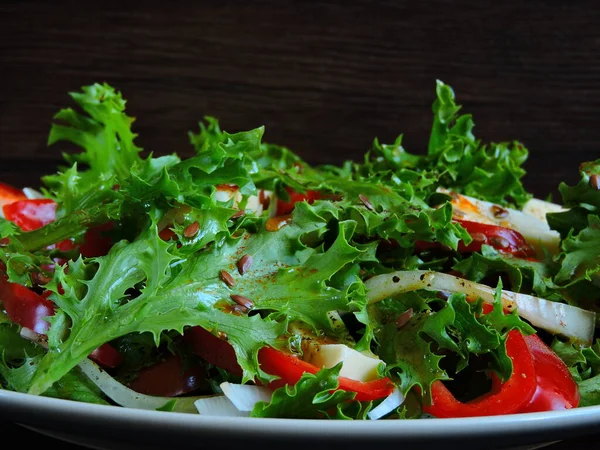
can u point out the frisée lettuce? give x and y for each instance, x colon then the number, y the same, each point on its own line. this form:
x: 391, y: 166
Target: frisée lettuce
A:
x: 240, y: 256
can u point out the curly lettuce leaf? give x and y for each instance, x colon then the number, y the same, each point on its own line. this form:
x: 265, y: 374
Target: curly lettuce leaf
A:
x: 310, y: 398
x: 288, y: 281
x: 414, y: 352
x: 584, y: 365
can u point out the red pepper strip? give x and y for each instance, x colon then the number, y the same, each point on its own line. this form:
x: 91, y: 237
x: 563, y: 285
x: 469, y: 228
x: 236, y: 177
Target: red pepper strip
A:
x: 502, y: 239
x: 31, y: 214
x: 168, y: 378
x: 275, y: 362
x: 504, y: 398
x: 9, y: 194
x: 28, y: 309
x: 96, y: 242
x: 556, y: 389
x: 290, y: 368
x: 284, y: 207
x: 25, y: 307
x: 215, y: 351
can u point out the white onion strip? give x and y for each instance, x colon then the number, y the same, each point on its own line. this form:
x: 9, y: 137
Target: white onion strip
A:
x: 245, y: 396
x: 129, y: 398
x: 557, y: 318
x: 218, y: 405
x: 118, y: 392
x: 390, y: 403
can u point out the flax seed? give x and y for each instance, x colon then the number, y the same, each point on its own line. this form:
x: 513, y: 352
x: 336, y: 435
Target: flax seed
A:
x: 244, y: 264
x: 242, y: 301
x: 499, y: 212
x: 191, y: 230
x: 226, y: 278
x: 365, y: 201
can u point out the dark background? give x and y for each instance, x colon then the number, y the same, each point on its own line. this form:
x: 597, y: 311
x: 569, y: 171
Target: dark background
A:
x: 325, y: 78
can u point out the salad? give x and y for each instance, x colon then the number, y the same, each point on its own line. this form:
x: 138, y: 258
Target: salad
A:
x: 243, y: 281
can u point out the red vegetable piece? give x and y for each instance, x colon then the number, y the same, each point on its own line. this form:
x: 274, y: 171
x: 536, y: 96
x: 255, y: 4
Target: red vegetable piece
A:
x: 168, y: 378
x: 96, y: 242
x: 28, y: 309
x: 9, y: 194
x: 504, y: 398
x: 24, y: 307
x: 31, y: 214
x: 275, y: 362
x: 107, y: 356
x: 501, y: 238
x: 556, y: 389
x: 290, y: 368
x: 284, y: 207
x: 215, y: 351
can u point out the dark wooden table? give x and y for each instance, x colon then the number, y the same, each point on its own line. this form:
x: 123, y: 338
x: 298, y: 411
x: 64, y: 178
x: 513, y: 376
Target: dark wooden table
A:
x: 324, y: 77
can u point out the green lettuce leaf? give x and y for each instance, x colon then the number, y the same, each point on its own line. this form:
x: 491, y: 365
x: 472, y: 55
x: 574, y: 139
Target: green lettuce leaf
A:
x: 310, y: 398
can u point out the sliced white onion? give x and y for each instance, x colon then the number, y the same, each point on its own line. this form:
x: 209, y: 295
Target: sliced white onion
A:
x: 557, y: 318
x: 245, y: 396
x: 129, y: 398
x: 30, y: 335
x: 390, y: 403
x: 218, y: 405
x: 534, y: 229
x: 31, y: 193
x: 539, y: 208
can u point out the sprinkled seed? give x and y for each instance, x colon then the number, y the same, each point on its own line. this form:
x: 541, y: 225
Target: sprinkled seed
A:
x: 238, y: 214
x: 499, y: 212
x: 191, y: 230
x: 479, y: 237
x: 226, y: 278
x: 403, y: 318
x: 365, y: 201
x: 499, y: 241
x: 242, y: 301
x: 222, y: 335
x: 239, y: 309
x: 244, y: 264
x: 595, y: 181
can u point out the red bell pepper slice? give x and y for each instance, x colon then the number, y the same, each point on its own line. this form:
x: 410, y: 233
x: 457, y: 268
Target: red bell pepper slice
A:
x: 284, y: 207
x: 275, y: 362
x: 215, y: 351
x: 556, y: 389
x: 290, y: 368
x: 30, y: 214
x: 28, y: 309
x: 9, y: 194
x: 504, y: 398
x: 25, y: 307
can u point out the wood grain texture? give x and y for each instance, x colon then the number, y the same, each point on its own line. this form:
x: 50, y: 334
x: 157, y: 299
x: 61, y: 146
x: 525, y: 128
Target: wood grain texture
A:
x: 325, y: 78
